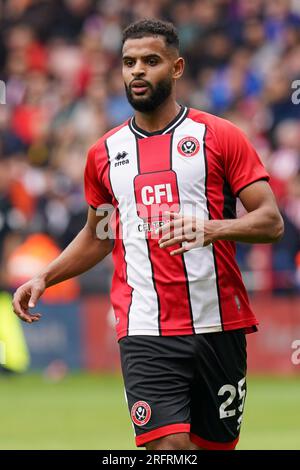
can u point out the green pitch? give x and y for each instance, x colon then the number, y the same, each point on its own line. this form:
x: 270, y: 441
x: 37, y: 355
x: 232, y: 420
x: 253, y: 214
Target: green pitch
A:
x: 89, y: 412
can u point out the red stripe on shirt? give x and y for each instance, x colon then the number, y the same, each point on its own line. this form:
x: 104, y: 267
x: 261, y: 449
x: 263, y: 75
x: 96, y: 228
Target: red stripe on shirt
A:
x: 121, y: 291
x: 233, y: 299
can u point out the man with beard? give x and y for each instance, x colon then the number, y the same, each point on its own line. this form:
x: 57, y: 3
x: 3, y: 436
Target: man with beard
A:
x: 172, y: 175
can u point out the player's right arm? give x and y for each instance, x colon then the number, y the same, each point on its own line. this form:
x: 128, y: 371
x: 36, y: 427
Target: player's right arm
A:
x: 84, y: 252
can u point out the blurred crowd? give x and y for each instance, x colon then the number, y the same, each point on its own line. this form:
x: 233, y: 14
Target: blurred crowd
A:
x: 60, y: 61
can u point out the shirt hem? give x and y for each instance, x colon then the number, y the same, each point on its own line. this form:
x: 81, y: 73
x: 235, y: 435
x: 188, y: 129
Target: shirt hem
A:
x: 236, y: 325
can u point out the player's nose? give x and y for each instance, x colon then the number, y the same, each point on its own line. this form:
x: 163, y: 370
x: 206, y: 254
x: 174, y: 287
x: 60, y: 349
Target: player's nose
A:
x: 138, y: 70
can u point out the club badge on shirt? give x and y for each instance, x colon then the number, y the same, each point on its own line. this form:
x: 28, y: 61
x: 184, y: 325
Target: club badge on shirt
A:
x: 188, y: 146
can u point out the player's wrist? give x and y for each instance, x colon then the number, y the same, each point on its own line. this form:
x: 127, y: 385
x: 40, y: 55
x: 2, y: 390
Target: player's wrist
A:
x: 43, y: 278
x: 217, y: 230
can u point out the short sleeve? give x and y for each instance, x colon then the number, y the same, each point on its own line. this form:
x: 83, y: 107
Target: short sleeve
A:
x: 95, y: 191
x: 242, y: 164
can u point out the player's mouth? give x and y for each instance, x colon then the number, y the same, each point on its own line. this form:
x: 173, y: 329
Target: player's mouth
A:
x: 139, y: 87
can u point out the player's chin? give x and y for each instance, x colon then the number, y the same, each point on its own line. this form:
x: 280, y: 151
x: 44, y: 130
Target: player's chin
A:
x: 141, y: 97
x: 139, y: 100
x: 143, y: 104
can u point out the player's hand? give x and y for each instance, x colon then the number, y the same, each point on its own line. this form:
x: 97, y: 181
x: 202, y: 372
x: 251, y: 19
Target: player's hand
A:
x: 188, y: 230
x: 26, y: 297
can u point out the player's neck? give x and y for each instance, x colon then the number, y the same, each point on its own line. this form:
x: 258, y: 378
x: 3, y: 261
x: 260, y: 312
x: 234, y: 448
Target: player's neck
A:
x: 158, y: 119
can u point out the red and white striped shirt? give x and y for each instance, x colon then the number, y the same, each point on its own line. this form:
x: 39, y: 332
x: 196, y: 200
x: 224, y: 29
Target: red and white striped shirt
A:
x: 198, y: 160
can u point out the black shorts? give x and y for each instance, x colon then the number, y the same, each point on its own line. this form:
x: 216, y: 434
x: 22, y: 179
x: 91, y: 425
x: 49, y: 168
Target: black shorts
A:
x: 194, y: 384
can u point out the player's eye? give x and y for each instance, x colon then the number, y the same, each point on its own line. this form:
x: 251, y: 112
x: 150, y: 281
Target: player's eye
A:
x: 152, y: 61
x: 128, y: 63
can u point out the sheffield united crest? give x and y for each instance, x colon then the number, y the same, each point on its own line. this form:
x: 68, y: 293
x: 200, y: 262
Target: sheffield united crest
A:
x: 141, y: 413
x: 188, y: 146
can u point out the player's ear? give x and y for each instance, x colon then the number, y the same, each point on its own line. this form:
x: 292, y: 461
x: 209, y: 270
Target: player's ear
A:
x: 178, y: 68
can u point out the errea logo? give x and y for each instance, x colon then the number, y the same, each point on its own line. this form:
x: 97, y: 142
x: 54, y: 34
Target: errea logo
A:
x: 120, y: 157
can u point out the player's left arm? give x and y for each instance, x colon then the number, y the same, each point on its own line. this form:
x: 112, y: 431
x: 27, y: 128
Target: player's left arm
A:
x: 262, y: 223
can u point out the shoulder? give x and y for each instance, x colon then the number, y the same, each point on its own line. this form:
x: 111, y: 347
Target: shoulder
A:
x: 99, y: 145
x: 215, y: 123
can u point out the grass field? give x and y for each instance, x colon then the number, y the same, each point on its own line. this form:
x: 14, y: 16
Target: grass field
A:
x: 89, y: 412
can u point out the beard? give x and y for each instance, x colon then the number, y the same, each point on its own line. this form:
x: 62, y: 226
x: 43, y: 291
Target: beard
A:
x: 156, y: 97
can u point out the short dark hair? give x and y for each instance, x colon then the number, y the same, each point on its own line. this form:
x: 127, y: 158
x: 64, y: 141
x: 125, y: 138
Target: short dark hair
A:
x: 152, y: 27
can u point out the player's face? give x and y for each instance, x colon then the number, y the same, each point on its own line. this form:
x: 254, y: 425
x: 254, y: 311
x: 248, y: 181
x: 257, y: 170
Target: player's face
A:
x: 150, y: 69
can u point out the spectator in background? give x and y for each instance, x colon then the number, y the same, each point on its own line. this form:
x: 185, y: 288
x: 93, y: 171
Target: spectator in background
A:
x: 60, y: 63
